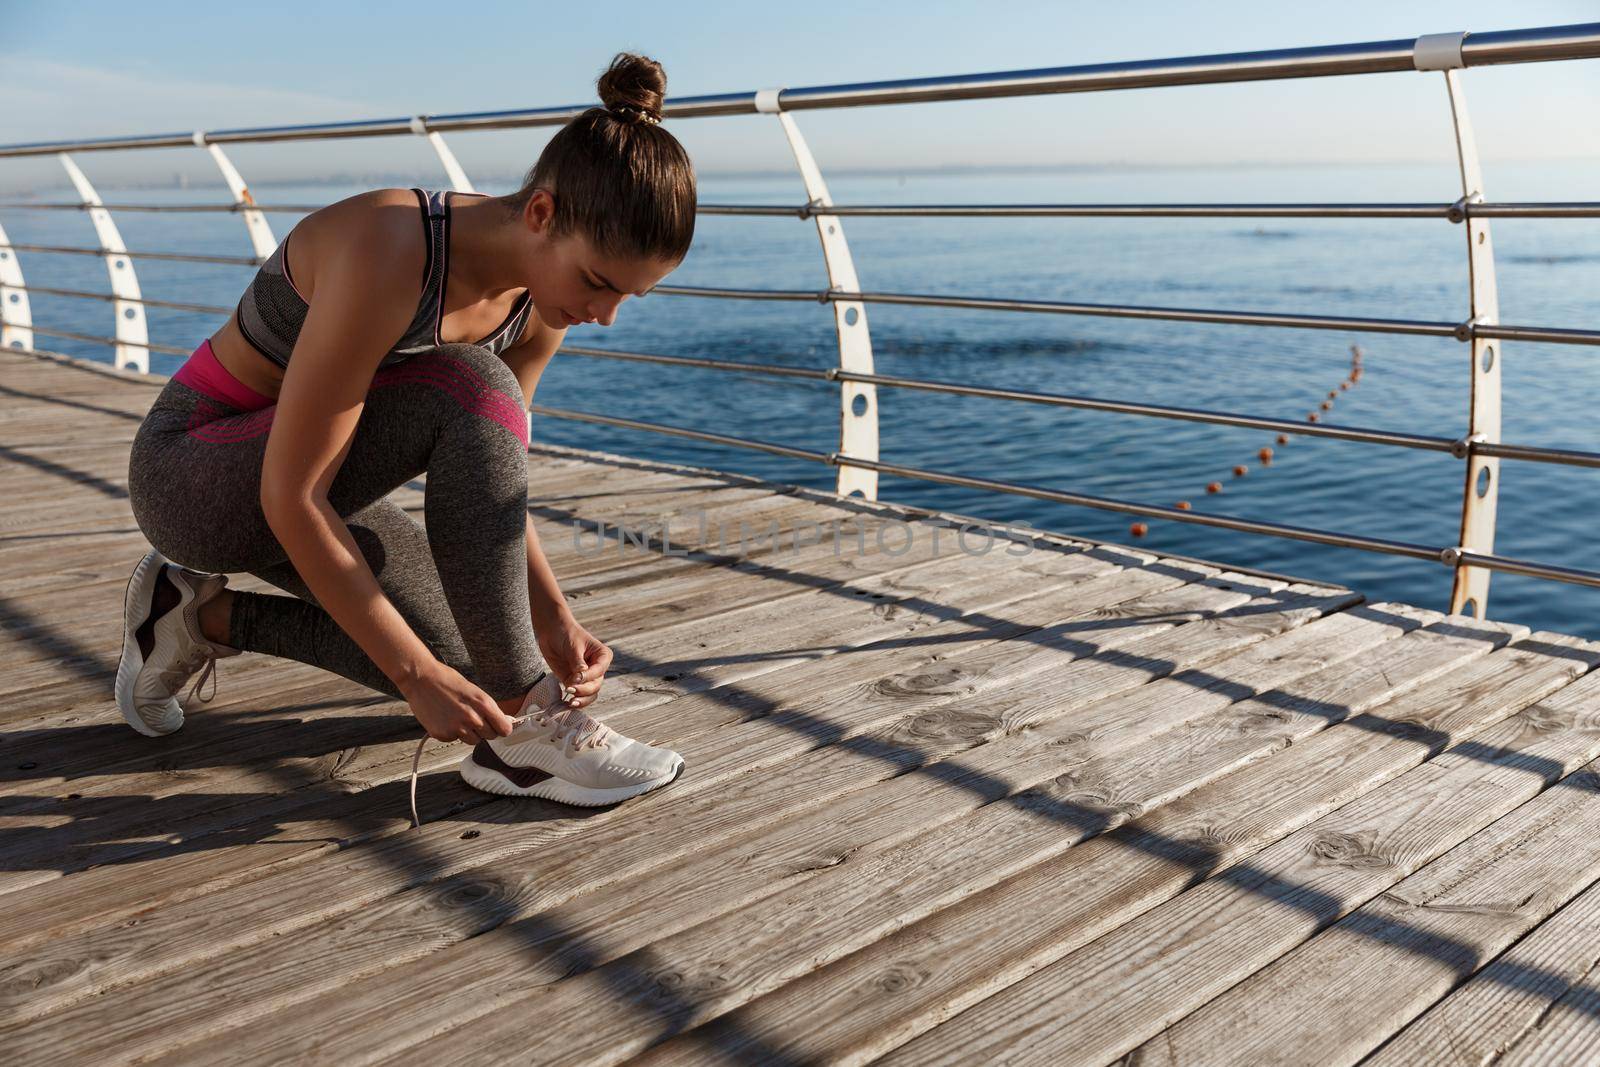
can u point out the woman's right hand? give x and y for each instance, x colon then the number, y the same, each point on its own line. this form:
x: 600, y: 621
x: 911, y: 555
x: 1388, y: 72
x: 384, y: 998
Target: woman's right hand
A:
x: 451, y: 708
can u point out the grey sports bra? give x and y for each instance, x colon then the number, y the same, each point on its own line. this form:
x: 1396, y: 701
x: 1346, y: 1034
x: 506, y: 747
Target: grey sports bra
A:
x: 271, y: 312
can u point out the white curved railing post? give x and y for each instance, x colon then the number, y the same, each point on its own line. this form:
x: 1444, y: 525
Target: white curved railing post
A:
x: 1469, y: 595
x: 858, y: 401
x: 458, y: 177
x: 255, y: 222
x: 16, y: 315
x: 133, y: 336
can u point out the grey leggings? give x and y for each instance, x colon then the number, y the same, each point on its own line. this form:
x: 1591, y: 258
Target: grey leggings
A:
x: 454, y: 412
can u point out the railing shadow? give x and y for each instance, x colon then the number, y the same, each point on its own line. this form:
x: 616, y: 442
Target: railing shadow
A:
x: 64, y: 472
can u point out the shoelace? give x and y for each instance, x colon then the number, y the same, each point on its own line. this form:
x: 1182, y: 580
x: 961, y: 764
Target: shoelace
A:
x: 210, y: 671
x: 574, y: 730
x: 187, y: 666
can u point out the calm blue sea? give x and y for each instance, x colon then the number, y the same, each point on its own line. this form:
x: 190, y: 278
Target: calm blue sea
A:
x: 1549, y: 274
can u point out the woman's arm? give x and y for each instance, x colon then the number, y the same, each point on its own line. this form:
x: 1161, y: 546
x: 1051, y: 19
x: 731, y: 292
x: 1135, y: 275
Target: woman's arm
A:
x: 353, y: 320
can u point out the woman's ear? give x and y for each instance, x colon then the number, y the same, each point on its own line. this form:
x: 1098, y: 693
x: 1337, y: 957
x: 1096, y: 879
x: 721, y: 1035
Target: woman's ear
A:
x: 538, y: 212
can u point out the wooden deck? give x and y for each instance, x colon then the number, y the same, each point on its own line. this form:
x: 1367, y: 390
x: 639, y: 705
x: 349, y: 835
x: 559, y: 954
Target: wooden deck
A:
x: 1063, y: 805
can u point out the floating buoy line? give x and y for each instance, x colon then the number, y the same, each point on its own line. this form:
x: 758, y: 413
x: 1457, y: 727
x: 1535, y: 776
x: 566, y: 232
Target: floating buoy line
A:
x: 1264, y: 455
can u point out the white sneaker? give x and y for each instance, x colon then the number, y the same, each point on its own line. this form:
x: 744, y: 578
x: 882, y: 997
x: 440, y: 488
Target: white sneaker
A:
x: 160, y: 654
x: 559, y: 753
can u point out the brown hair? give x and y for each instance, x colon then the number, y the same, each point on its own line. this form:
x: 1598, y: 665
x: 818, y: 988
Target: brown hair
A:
x: 617, y: 177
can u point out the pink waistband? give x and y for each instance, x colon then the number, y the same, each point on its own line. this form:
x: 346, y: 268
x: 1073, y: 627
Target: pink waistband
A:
x: 203, y: 373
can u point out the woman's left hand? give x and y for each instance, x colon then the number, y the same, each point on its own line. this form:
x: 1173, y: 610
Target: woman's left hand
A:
x: 575, y: 656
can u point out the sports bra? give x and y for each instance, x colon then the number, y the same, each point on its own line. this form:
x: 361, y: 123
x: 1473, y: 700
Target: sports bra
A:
x: 271, y: 312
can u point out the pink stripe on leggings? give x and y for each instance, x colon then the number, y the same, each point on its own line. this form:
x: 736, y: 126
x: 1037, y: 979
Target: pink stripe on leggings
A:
x: 461, y: 384
x: 204, y: 374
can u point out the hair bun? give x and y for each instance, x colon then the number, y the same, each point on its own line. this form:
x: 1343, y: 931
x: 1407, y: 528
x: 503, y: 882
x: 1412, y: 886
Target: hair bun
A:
x: 633, y: 87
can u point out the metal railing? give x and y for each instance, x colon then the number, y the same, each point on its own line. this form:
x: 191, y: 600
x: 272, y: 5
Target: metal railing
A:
x: 856, y: 460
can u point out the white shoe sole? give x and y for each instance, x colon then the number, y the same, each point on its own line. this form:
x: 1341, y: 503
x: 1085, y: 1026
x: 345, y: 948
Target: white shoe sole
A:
x: 558, y: 789
x: 136, y: 604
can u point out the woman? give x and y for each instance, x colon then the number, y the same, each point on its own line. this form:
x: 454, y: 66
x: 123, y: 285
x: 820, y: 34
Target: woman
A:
x: 252, y: 461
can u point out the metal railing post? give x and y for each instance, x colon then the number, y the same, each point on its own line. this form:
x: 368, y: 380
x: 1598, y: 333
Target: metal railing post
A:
x: 132, y: 334
x: 261, y: 239
x: 1469, y: 594
x: 16, y: 315
x: 458, y: 177
x: 858, y: 401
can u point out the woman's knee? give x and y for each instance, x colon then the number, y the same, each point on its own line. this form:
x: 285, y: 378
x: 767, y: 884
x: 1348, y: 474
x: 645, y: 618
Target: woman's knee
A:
x: 484, y: 364
x: 494, y: 392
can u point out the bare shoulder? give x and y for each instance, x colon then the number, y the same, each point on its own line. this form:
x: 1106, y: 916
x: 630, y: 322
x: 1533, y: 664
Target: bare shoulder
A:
x: 378, y: 233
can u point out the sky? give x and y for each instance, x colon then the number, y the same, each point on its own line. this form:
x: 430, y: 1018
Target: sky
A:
x: 89, y: 69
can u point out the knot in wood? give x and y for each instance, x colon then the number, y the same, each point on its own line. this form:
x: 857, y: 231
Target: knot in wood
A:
x: 1548, y: 720
x: 935, y: 680
x: 468, y: 894
x: 900, y: 977
x: 674, y: 985
x: 1357, y: 851
x: 1411, y: 730
x: 952, y: 724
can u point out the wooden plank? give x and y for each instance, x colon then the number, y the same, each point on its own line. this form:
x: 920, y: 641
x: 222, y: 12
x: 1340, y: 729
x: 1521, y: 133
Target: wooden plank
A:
x: 660, y: 855
x: 693, y: 656
x: 90, y: 895
x: 43, y: 848
x: 1514, y: 994
x: 1107, y: 997
x: 265, y: 908
x: 676, y: 901
x: 1387, y: 961
x: 879, y: 997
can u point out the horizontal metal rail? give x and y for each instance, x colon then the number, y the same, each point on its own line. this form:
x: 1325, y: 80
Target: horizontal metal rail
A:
x: 697, y: 361
x: 1461, y: 331
x: 1453, y: 212
x: 231, y: 261
x: 30, y: 205
x: 1454, y: 447
x: 1448, y: 555
x: 209, y: 309
x: 151, y: 345
x: 678, y: 431
x: 1535, y: 45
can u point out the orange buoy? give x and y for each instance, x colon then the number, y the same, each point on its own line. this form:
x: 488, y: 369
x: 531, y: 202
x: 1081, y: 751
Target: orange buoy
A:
x: 1326, y: 404
x: 1214, y: 487
x: 1265, y: 455
x: 1240, y: 471
x: 1344, y: 386
x: 1139, y: 529
x: 1283, y: 438
x: 1311, y: 417
x: 1182, y: 505
x: 1355, y: 374
x: 1332, y: 393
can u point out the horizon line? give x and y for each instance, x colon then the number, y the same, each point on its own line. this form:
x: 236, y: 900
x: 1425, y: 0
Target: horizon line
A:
x: 345, y: 177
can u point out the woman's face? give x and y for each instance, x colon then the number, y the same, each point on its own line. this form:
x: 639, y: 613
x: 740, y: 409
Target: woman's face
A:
x: 576, y: 285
